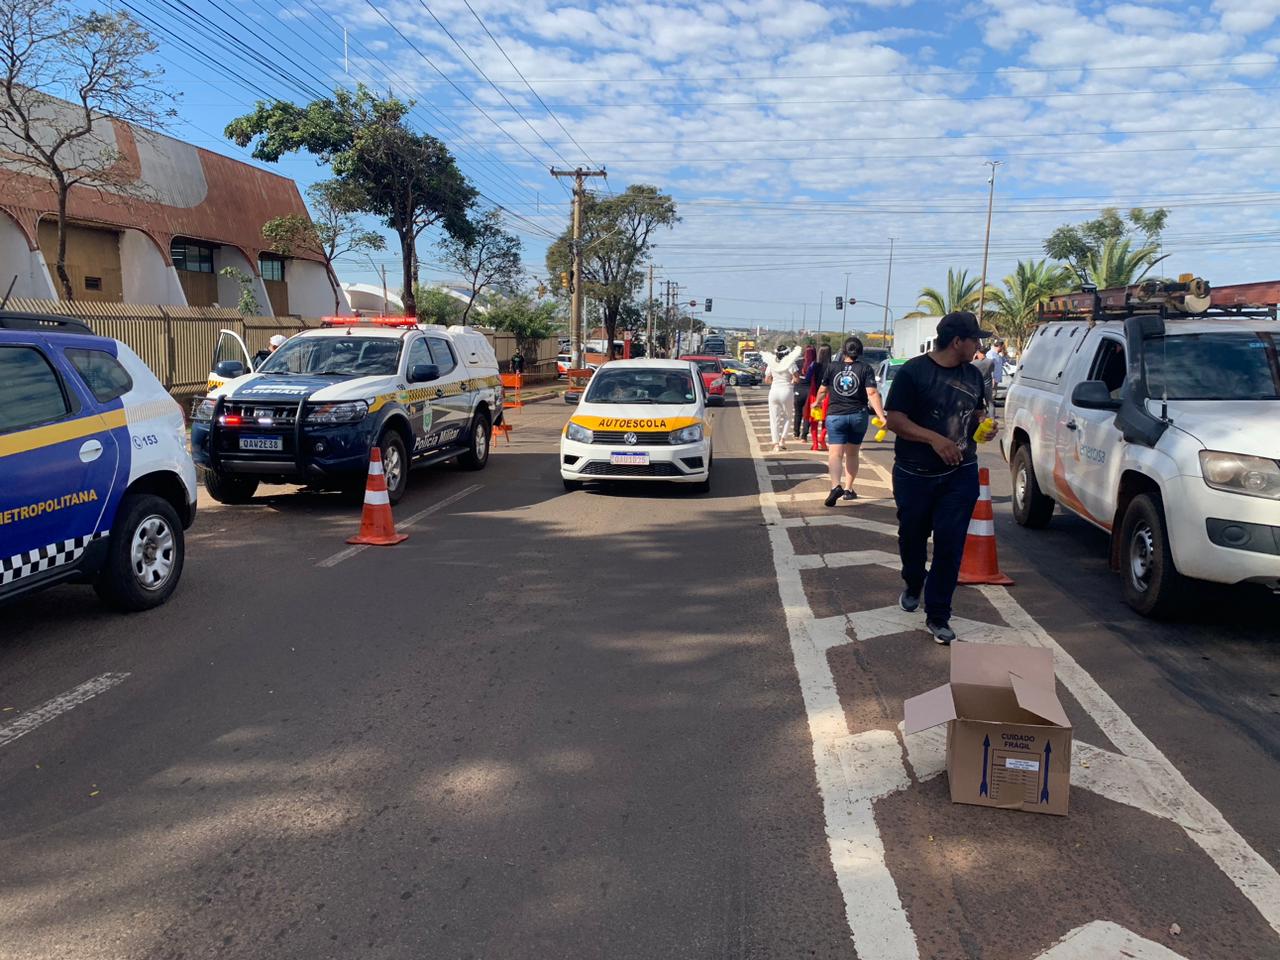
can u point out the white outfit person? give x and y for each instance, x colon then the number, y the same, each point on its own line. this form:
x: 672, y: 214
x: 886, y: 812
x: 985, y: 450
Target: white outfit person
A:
x: 782, y: 401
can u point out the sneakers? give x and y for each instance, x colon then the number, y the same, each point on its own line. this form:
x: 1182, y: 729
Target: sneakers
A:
x: 850, y: 495
x: 941, y: 630
x: 834, y: 495
x: 909, y: 601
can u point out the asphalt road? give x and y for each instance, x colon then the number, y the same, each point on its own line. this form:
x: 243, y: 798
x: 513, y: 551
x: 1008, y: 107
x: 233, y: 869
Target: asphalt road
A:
x: 547, y: 725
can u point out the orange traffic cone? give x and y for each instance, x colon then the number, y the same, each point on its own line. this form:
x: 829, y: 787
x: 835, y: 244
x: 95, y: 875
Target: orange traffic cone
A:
x: 376, y: 526
x: 979, y: 564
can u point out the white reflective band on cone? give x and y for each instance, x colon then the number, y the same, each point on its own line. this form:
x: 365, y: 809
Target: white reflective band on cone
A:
x: 984, y: 493
x: 375, y: 468
x: 982, y: 528
x: 379, y: 497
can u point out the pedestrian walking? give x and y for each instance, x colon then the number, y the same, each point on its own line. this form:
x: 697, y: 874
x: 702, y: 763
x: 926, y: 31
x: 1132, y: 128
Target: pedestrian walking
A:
x: 778, y: 374
x: 999, y: 358
x: 849, y: 390
x: 814, y: 379
x: 936, y: 404
x: 800, y: 387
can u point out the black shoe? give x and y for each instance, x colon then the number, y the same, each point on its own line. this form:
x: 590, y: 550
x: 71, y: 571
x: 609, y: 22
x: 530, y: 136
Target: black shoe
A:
x: 834, y: 495
x: 909, y: 601
x: 941, y: 630
x: 850, y: 495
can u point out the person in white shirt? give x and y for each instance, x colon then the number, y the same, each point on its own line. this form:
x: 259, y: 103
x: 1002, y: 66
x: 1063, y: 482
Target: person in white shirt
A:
x: 996, y: 354
x: 780, y: 374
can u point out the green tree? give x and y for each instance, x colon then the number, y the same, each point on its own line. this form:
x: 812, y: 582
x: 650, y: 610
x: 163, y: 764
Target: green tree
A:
x: 63, y: 77
x: 409, y: 179
x: 1080, y: 245
x: 1015, y: 309
x: 961, y: 293
x: 489, y: 256
x: 433, y: 305
x: 529, y: 320
x: 332, y: 230
x: 1117, y: 263
x: 616, y: 232
x: 248, y: 303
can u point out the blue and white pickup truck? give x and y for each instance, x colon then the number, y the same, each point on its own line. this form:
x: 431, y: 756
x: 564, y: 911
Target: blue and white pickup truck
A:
x: 96, y: 484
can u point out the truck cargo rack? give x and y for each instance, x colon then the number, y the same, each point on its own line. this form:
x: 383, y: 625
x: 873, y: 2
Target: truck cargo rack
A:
x: 1185, y: 297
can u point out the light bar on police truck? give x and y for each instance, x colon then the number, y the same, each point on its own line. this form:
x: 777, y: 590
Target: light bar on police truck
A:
x: 368, y: 322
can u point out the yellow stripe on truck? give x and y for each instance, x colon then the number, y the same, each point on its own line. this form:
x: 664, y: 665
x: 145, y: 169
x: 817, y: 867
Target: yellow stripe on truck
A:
x: 635, y: 424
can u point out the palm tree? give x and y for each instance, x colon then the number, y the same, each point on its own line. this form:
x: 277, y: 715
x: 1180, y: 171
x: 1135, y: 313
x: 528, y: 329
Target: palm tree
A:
x: 961, y: 294
x: 1118, y: 264
x: 1015, y: 308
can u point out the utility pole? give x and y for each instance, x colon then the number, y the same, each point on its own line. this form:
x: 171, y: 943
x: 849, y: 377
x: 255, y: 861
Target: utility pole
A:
x: 844, y: 313
x: 986, y: 244
x: 821, y: 296
x: 887, y: 283
x: 383, y: 311
x: 576, y: 331
x: 648, y: 342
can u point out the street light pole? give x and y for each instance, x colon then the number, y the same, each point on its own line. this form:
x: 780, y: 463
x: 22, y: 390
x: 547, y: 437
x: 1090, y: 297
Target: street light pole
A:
x: 986, y: 244
x: 884, y: 336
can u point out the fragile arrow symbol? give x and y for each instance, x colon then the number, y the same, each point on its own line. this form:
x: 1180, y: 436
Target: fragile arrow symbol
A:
x: 986, y: 749
x: 1044, y: 791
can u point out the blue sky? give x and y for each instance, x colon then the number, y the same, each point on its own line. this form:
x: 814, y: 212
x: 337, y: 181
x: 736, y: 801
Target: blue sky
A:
x: 796, y: 137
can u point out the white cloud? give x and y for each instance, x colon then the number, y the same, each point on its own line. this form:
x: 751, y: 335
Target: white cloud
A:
x: 1247, y: 16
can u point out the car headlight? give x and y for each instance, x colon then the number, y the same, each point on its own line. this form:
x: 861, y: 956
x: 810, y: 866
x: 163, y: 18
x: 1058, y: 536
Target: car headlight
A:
x: 1238, y: 473
x: 579, y: 433
x: 717, y: 383
x: 348, y: 412
x: 687, y: 435
x: 202, y: 408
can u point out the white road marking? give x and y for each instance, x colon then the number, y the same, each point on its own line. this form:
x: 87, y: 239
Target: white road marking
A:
x: 59, y: 705
x: 350, y: 552
x: 853, y: 771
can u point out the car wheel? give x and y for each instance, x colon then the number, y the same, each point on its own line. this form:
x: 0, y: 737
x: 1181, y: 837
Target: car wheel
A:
x: 1152, y: 585
x: 1031, y: 508
x: 395, y: 464
x: 477, y: 454
x: 733, y: 380
x: 571, y: 485
x: 145, y: 553
x: 230, y: 490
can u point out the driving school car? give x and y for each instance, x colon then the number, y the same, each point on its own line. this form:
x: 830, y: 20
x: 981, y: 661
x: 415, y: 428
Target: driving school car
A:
x: 640, y: 420
x: 314, y: 409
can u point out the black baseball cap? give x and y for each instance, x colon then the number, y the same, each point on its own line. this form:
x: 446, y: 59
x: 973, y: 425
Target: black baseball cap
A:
x: 962, y: 325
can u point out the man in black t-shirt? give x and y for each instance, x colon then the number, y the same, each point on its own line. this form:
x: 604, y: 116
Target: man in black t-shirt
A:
x: 935, y: 406
x: 849, y: 385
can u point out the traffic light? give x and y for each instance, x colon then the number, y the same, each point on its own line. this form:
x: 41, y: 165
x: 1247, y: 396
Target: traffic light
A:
x: 707, y: 307
x: 839, y: 303
x: 564, y: 280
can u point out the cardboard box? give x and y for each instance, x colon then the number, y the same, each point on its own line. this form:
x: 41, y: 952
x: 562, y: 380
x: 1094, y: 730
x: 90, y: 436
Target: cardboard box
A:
x: 1008, y: 738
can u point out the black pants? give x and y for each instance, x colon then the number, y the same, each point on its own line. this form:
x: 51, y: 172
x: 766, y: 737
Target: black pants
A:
x: 941, y: 506
x: 802, y: 422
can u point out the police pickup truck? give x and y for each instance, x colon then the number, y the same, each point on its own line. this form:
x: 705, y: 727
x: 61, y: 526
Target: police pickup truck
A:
x: 312, y: 411
x: 1151, y: 413
x: 96, y: 484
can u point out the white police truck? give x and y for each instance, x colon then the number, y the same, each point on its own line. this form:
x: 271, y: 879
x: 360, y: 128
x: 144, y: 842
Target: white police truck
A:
x: 96, y: 484
x: 313, y: 410
x: 1151, y: 413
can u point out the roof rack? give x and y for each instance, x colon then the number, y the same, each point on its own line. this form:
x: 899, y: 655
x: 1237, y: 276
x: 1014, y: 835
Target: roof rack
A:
x: 42, y: 321
x: 1186, y: 296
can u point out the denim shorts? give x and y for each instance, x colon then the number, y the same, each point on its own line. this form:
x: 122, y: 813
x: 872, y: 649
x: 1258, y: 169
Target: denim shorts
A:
x: 848, y: 427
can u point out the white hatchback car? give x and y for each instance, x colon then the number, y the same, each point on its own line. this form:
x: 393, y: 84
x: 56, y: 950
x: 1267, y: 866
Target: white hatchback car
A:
x: 640, y: 420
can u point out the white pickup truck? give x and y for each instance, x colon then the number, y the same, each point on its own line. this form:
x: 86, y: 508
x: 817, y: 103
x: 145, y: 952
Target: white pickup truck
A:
x: 1161, y: 427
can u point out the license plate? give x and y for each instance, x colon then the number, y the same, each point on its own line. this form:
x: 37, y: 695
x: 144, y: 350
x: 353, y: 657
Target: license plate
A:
x: 261, y: 443
x: 628, y: 458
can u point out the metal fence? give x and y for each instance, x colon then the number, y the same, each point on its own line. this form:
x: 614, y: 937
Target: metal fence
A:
x: 177, y: 343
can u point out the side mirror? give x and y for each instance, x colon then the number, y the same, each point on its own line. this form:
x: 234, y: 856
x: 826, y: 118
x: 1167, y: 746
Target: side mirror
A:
x: 1093, y: 395
x: 229, y: 369
x: 423, y: 373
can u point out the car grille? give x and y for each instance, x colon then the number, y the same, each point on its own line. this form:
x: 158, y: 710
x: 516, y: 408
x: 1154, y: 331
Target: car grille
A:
x: 599, y: 468
x: 282, y: 415
x: 615, y: 437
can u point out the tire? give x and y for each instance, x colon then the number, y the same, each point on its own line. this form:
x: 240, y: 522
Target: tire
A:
x: 395, y: 464
x: 1152, y: 585
x: 571, y: 485
x: 477, y: 454
x: 733, y: 380
x: 228, y: 489
x: 1031, y: 508
x: 145, y: 554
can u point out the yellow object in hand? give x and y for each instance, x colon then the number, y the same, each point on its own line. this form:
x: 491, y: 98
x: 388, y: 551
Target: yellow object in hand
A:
x: 986, y: 430
x: 816, y: 412
x: 881, y: 433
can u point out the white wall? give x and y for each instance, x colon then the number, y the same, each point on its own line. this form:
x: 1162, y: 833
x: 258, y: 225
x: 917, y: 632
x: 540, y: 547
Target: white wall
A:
x: 310, y: 292
x: 229, y: 287
x: 147, y: 278
x: 16, y: 257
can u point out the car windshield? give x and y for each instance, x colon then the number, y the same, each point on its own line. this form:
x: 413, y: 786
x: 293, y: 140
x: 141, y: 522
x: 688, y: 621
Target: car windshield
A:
x: 336, y: 356
x: 1213, y: 366
x: 891, y: 371
x: 620, y: 385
